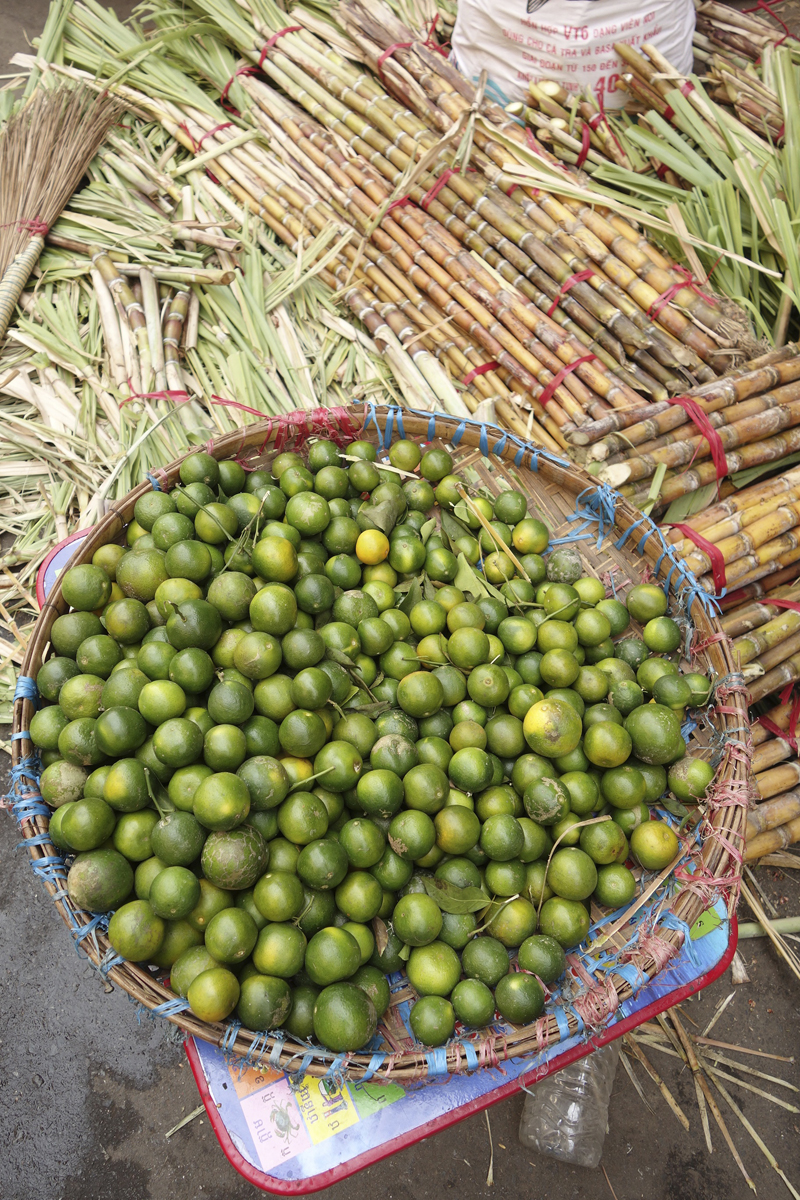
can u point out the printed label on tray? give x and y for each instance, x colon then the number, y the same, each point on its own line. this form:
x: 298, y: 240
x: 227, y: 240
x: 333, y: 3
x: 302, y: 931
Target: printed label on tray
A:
x: 275, y: 1124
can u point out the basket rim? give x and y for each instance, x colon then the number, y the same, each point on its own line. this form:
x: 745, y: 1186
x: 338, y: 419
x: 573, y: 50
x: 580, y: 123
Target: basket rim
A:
x: 723, y: 826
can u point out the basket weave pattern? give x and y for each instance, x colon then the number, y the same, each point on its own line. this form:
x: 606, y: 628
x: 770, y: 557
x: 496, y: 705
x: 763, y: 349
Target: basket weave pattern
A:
x: 617, y: 544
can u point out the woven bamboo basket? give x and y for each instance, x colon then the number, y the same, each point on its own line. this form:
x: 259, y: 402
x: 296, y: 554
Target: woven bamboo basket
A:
x: 616, y: 543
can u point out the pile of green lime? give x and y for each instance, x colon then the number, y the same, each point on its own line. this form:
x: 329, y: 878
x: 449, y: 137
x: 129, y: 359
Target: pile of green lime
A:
x: 296, y: 742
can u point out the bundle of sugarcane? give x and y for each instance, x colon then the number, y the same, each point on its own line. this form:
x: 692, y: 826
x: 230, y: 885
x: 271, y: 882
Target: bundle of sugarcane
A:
x: 439, y: 273
x: 751, y: 535
x: 44, y: 151
x: 717, y: 178
x: 741, y: 37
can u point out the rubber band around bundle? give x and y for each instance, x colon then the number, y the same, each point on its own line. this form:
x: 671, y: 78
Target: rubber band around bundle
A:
x: 768, y: 8
x: 388, y: 52
x: 557, y: 380
x: 586, y: 142
x: 671, y: 292
x: 700, y: 419
x: 268, y: 45
x: 714, y: 554
x: 433, y: 192
x: 223, y: 99
x: 568, y: 284
x: 483, y: 369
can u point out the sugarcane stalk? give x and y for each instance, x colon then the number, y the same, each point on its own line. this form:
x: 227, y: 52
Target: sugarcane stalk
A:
x: 753, y: 429
x: 773, y: 813
x: 752, y: 616
x: 772, y: 840
x: 774, y: 633
x: 770, y: 753
x: 775, y: 680
x: 744, y: 518
x: 779, y: 521
x: 756, y: 590
x: 776, y: 780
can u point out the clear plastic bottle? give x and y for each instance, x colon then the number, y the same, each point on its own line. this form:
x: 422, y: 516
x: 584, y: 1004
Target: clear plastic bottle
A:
x: 566, y: 1114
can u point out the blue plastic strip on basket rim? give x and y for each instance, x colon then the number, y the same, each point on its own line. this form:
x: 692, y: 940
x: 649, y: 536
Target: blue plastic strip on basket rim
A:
x: 26, y: 689
x: 375, y: 1064
x: 437, y: 1062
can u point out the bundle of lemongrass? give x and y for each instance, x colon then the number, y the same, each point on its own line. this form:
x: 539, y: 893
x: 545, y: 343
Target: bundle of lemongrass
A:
x: 478, y: 284
x: 716, y: 159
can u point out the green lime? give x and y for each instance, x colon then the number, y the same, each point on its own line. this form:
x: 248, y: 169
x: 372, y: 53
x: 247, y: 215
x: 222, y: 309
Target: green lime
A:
x: 125, y: 786
x: 213, y: 994
x: 519, y: 998
x: 332, y: 955
x: 360, y: 897
x: 502, y: 837
x: 604, y: 842
x: 607, y: 744
x: 174, y: 893
x: 321, y: 864
x: 86, y: 587
x: 515, y: 921
x: 645, y: 602
x: 584, y: 793
x: 177, y: 839
x: 654, y: 845
x: 546, y: 800
x: 673, y: 692
x: 616, y: 886
x: 485, y: 959
x: 264, y: 1002
x: 99, y: 880
x: 135, y: 931
x: 566, y: 921
x: 433, y: 969
x: 690, y: 778
x: 572, y: 874
x: 552, y: 728
x: 432, y: 1020
x: 417, y: 919
x: 302, y: 818
x: 412, y: 834
x: 543, y: 956
x: 62, y: 783
x: 212, y: 900
x: 230, y: 935
x: 655, y: 733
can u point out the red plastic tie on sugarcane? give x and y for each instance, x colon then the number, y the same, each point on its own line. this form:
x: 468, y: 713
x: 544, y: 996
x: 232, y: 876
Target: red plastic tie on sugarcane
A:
x: 699, y: 418
x: 271, y: 42
x: 578, y: 277
x: 586, y: 142
x: 483, y: 369
x: 388, y: 54
x: 768, y: 8
x: 557, y: 380
x: 713, y: 552
x: 433, y: 192
x: 671, y: 292
x: 223, y: 99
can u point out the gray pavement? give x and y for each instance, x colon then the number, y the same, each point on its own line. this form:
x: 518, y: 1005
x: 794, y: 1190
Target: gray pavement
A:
x: 87, y: 1094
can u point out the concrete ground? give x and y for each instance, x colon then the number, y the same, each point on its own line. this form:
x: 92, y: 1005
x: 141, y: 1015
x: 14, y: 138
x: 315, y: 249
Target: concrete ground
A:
x: 88, y: 1094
